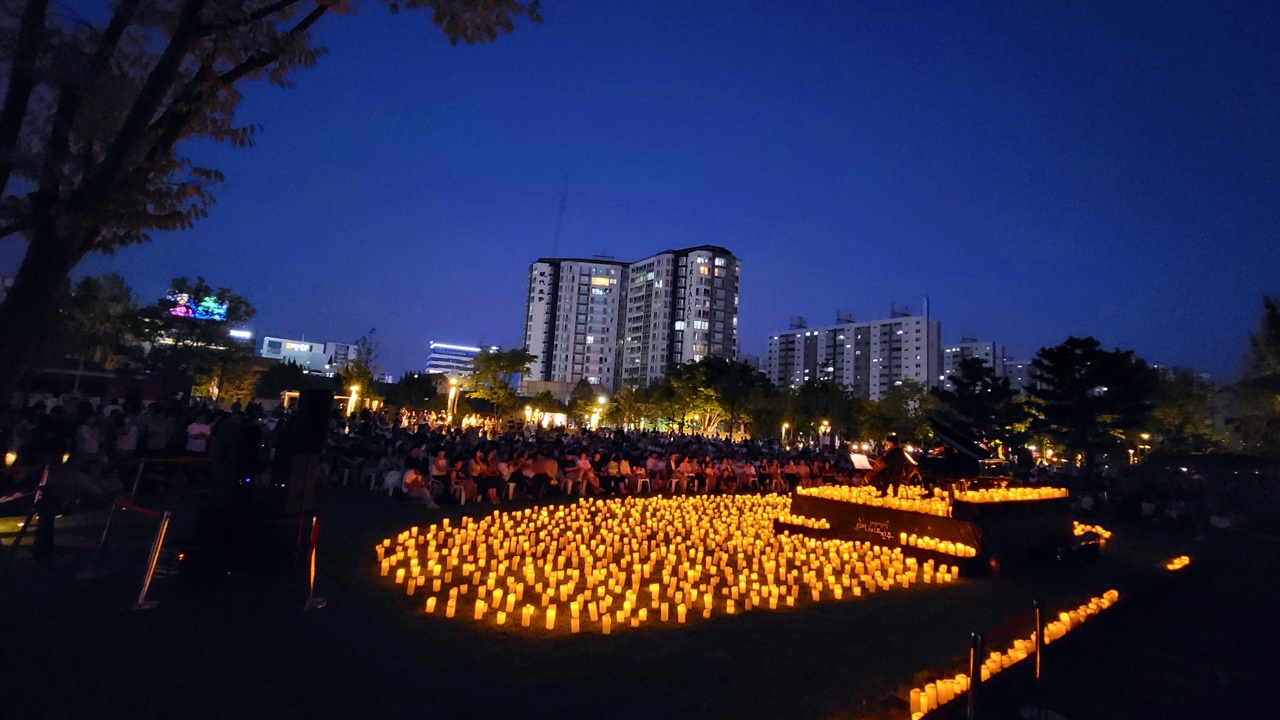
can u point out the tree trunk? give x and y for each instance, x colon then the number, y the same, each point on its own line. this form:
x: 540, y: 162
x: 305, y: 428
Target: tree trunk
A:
x: 28, y: 311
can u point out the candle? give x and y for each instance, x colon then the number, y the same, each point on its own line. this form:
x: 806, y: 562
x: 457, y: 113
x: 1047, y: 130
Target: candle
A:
x: 680, y: 613
x: 604, y: 624
x: 551, y: 617
x: 526, y: 615
x: 431, y: 604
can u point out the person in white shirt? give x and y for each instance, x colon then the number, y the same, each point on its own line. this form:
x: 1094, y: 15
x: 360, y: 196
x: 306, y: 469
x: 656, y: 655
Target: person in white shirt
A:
x: 198, y: 434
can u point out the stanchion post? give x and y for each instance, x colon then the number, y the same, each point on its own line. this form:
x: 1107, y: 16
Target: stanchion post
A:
x: 1039, y: 608
x: 313, y: 602
x: 35, y: 507
x: 115, y: 506
x: 143, y: 603
x: 975, y: 672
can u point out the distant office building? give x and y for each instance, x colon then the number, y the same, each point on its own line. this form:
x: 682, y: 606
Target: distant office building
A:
x: 867, y: 358
x: 989, y: 352
x: 455, y: 361
x: 1019, y: 374
x: 318, y: 357
x: 681, y: 306
x: 573, y: 320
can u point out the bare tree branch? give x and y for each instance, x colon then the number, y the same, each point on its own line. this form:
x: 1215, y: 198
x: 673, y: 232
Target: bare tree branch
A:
x: 253, y: 17
x: 144, y: 107
x: 69, y: 98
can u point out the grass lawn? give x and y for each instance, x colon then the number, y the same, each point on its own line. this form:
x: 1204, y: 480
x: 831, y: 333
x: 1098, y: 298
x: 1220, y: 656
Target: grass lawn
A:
x: 236, y: 646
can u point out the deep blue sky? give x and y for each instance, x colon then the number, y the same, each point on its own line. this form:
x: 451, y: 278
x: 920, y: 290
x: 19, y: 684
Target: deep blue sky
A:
x: 1037, y: 169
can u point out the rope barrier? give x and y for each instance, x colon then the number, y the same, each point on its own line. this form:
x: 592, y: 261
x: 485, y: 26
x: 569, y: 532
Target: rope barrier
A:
x: 127, y: 505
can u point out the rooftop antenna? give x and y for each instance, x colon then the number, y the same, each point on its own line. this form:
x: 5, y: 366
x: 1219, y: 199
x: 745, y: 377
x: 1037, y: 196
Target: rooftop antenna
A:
x: 564, y: 202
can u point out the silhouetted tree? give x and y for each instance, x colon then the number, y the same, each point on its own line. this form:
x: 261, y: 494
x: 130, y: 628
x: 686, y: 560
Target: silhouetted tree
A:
x: 494, y: 376
x: 1088, y: 397
x: 95, y: 114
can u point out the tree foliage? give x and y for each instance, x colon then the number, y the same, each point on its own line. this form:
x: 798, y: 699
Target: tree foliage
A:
x: 983, y: 403
x: 98, y: 115
x: 1087, y: 397
x: 737, y: 388
x: 186, y: 351
x: 414, y: 391
x: 281, y: 377
x: 229, y: 376
x: 1256, y: 397
x: 361, y: 370
x: 1182, y: 414
x: 903, y: 409
x: 544, y: 402
x: 494, y: 376
x: 100, y: 320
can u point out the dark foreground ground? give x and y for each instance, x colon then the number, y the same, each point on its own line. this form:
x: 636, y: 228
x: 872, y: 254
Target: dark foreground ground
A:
x: 1200, y: 644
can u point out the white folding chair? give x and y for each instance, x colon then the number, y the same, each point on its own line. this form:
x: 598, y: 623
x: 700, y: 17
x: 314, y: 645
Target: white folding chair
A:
x: 392, y: 481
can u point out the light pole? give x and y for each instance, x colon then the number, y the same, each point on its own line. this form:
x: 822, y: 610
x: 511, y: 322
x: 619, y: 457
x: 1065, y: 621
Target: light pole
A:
x: 601, y: 401
x: 351, y: 399
x: 784, y: 431
x: 453, y: 398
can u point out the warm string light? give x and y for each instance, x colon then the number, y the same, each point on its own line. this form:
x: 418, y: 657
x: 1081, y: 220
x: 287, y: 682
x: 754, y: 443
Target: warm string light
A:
x: 938, y: 693
x: 1178, y: 563
x: 605, y: 565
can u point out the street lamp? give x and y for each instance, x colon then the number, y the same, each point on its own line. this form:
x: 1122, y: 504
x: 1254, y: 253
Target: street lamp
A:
x: 453, y: 397
x: 784, y: 431
x: 351, y: 399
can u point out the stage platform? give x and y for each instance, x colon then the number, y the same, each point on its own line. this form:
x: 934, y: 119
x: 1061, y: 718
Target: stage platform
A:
x: 1009, y: 532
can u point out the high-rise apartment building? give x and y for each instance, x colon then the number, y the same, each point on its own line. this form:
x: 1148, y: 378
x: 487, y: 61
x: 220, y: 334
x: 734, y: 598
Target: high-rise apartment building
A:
x: 573, y: 319
x: 989, y: 352
x: 681, y: 306
x: 608, y: 321
x: 867, y: 358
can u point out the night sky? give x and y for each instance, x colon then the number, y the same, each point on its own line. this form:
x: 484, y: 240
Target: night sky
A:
x: 1038, y: 170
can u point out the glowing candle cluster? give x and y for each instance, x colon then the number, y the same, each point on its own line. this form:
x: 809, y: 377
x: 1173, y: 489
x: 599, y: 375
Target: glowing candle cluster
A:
x: 605, y: 565
x: 907, y: 499
x: 1014, y: 494
x: 1080, y: 528
x: 803, y: 521
x: 940, y: 692
x: 946, y: 547
x: 1178, y: 563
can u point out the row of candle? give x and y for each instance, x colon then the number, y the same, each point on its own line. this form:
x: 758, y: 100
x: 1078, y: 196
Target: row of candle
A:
x: 947, y: 547
x: 867, y: 495
x: 940, y: 692
x: 626, y: 562
x: 1178, y: 563
x: 1013, y: 494
x: 1080, y: 528
x: 803, y: 521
